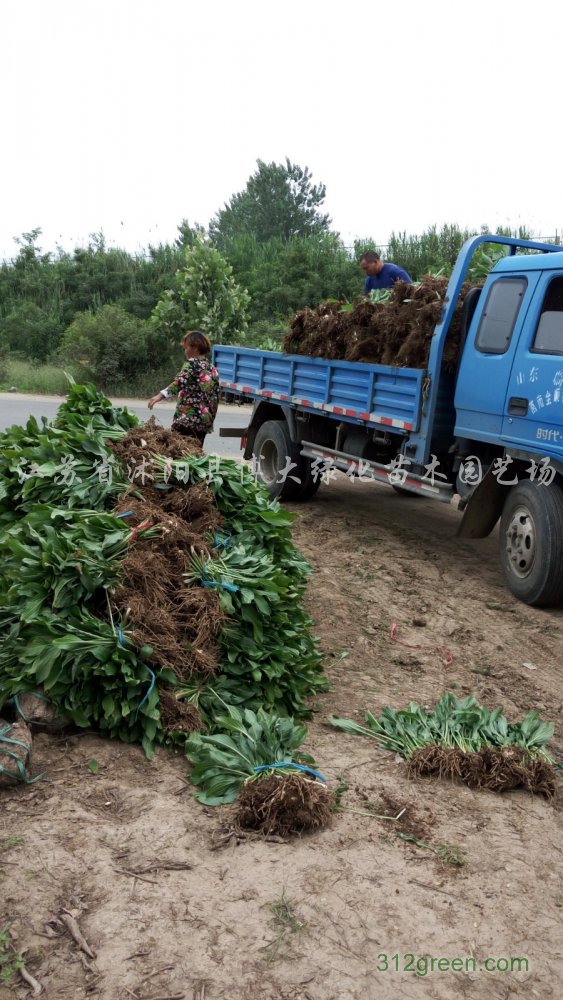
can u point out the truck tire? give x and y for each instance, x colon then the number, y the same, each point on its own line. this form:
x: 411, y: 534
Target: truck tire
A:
x: 531, y: 543
x: 272, y: 447
x: 309, y: 485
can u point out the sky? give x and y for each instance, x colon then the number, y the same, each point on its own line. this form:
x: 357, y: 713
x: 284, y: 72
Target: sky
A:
x: 127, y: 116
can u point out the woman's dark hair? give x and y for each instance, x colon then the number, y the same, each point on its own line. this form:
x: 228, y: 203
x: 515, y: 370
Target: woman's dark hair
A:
x: 197, y: 339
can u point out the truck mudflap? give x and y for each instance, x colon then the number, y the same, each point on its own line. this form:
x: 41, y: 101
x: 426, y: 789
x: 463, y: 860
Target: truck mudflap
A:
x: 484, y: 508
x: 392, y: 474
x: 232, y: 432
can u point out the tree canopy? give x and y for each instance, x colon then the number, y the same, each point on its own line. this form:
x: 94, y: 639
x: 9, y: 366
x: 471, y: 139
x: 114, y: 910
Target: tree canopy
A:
x: 279, y: 202
x: 204, y: 296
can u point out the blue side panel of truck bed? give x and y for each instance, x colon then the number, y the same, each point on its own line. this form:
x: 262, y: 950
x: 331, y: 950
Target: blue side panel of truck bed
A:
x: 350, y: 391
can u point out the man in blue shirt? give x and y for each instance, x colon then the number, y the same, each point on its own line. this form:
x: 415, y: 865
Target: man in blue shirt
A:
x: 380, y: 275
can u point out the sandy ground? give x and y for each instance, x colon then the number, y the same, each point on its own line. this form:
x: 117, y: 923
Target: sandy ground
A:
x: 170, y: 910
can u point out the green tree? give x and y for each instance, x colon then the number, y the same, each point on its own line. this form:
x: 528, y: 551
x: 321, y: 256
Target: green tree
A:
x: 187, y: 235
x: 112, y: 346
x: 205, y: 296
x: 434, y: 250
x: 30, y: 331
x: 437, y: 249
x: 279, y: 201
x: 63, y: 284
x: 30, y: 255
x: 285, y: 275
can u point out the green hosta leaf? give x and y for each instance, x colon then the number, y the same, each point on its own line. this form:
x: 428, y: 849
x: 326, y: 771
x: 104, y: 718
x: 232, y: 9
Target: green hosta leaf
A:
x: 108, y: 704
x: 45, y: 665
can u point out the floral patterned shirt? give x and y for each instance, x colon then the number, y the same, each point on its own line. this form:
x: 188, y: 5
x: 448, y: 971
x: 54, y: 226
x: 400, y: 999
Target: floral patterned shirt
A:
x: 197, y: 388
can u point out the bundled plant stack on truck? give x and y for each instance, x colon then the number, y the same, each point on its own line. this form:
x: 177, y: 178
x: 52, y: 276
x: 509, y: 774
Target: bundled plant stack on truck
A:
x: 485, y: 433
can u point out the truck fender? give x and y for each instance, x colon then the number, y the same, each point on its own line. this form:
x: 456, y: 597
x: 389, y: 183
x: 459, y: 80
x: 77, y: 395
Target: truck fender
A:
x: 264, y: 411
x: 483, y: 509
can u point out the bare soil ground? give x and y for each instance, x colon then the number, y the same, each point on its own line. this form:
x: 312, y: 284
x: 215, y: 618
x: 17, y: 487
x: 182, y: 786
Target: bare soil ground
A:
x: 173, y: 908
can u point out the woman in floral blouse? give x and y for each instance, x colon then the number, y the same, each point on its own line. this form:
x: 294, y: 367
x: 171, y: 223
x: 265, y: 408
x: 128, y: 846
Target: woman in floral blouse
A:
x: 197, y: 389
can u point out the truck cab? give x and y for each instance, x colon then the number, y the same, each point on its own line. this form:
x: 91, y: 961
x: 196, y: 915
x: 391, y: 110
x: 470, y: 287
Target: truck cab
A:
x: 510, y: 375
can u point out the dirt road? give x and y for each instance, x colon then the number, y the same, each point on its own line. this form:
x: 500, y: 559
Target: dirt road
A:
x: 358, y: 911
x: 17, y: 407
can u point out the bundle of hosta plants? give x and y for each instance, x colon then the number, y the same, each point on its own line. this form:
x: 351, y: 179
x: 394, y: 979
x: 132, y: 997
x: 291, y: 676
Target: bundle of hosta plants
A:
x: 255, y: 760
x: 142, y: 582
x: 462, y: 740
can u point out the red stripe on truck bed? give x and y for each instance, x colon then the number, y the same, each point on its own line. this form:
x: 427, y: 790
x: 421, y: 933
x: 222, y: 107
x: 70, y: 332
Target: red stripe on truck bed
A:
x: 372, y: 418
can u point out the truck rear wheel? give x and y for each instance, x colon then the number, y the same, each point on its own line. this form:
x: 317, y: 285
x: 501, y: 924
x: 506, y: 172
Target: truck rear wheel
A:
x: 531, y: 543
x: 272, y: 449
x: 309, y: 484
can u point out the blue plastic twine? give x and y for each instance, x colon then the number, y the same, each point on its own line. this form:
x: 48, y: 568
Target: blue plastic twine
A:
x: 123, y: 642
x: 219, y: 539
x: 290, y: 763
x: 148, y: 693
x: 224, y: 586
x: 15, y: 702
x: 20, y: 765
x: 127, y: 513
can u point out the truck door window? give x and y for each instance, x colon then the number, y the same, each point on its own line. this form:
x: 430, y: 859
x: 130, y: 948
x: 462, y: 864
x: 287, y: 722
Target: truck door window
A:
x: 499, y: 315
x: 549, y: 334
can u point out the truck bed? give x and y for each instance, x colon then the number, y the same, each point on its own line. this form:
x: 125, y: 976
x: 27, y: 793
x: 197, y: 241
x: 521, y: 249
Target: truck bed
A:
x: 353, y: 392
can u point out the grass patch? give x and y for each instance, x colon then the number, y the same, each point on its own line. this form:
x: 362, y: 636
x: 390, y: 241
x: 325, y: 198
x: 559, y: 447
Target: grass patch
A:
x: 450, y: 854
x: 286, y: 922
x: 342, y: 787
x: 284, y: 914
x: 25, y: 376
x: 50, y: 380
x: 144, y: 385
x: 10, y: 959
x: 9, y: 842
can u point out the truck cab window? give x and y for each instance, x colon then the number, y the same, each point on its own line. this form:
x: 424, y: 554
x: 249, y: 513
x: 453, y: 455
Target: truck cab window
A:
x: 499, y: 315
x: 549, y: 333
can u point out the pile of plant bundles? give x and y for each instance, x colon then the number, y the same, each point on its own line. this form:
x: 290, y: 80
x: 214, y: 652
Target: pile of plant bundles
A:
x: 393, y: 327
x: 461, y: 740
x: 142, y: 588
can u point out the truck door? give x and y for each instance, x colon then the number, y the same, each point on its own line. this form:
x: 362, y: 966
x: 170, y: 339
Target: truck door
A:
x: 488, y: 355
x: 534, y: 401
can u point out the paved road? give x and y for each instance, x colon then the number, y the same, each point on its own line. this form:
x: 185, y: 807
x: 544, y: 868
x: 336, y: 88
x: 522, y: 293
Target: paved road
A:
x: 16, y: 407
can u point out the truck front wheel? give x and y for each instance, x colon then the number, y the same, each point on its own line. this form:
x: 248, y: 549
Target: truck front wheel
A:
x: 278, y: 460
x: 531, y: 543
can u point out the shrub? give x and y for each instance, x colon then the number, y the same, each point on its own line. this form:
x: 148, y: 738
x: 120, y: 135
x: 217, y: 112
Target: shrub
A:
x: 112, y: 346
x: 30, y: 331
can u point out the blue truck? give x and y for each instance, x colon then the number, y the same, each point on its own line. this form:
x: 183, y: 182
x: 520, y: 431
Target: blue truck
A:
x: 487, y: 437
